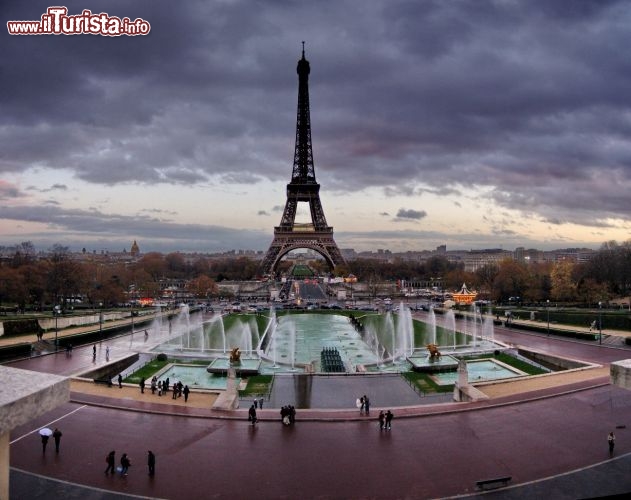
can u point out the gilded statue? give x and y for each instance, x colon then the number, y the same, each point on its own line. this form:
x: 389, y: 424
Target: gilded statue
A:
x: 235, y: 355
x: 433, y: 351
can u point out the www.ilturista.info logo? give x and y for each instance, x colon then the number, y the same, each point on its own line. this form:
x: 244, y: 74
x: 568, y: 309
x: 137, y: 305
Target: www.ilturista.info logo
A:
x: 56, y: 21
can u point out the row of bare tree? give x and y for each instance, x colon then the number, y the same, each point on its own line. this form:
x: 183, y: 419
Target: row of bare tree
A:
x: 29, y: 281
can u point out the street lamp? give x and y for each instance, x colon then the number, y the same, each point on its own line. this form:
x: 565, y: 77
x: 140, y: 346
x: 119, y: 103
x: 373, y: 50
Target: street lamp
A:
x: 600, y: 323
x: 56, y: 312
x: 548, y: 311
x: 100, y: 321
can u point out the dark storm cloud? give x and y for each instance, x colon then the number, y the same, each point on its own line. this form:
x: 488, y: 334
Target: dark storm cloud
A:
x: 54, y: 187
x: 531, y: 99
x: 411, y: 214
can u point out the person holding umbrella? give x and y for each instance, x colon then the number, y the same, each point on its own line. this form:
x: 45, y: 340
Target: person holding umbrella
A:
x: 45, y: 433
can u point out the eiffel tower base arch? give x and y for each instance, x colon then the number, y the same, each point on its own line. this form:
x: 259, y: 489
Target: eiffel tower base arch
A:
x: 285, y: 242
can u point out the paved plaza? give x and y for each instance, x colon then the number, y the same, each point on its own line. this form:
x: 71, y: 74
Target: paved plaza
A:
x: 549, y: 437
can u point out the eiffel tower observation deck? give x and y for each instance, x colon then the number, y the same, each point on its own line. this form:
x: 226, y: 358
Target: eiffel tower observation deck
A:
x: 303, y: 187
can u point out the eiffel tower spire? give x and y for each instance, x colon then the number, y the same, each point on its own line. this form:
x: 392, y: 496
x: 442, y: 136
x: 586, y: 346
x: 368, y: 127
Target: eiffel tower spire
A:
x: 303, y: 187
x: 303, y: 171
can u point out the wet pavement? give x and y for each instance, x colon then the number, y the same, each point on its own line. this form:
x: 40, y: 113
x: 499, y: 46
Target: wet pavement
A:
x: 552, y: 443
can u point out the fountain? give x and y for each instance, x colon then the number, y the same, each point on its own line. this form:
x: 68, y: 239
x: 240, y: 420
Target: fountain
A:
x: 432, y: 325
x: 292, y: 342
x: 450, y: 324
x: 405, y: 332
x: 372, y: 340
x: 488, y: 329
x: 292, y: 345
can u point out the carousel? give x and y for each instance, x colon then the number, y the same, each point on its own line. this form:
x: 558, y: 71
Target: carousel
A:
x: 464, y: 296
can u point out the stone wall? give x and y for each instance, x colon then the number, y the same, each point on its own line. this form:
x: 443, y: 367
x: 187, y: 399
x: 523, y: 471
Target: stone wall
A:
x: 88, y: 319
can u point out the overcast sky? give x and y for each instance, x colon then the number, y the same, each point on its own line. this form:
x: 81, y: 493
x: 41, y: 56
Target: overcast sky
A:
x: 475, y: 124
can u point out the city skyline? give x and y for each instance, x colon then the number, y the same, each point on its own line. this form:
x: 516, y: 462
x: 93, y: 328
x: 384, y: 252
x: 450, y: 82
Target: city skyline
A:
x: 486, y: 125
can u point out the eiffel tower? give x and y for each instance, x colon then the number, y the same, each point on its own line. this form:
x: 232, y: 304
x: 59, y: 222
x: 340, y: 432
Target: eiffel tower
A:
x: 317, y: 235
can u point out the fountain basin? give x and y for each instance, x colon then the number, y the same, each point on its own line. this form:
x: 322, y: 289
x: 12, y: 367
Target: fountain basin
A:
x: 243, y: 367
x: 195, y: 376
x: 427, y: 364
x: 480, y: 370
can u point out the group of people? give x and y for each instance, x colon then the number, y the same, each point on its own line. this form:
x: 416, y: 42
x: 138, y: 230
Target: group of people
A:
x: 162, y: 387
x: 385, y: 420
x: 125, y: 463
x: 256, y: 404
x: 56, y: 436
x: 364, y: 405
x: 107, y: 352
x: 288, y: 415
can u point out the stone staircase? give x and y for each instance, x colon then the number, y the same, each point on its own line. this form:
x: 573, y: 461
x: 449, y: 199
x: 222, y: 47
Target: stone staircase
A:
x: 613, y: 340
x: 42, y: 347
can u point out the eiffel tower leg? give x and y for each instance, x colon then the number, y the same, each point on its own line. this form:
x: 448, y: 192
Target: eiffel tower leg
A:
x: 268, y: 263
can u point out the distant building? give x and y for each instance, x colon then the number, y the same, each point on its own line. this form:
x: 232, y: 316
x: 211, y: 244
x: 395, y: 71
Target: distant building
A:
x: 476, y: 259
x: 135, y: 250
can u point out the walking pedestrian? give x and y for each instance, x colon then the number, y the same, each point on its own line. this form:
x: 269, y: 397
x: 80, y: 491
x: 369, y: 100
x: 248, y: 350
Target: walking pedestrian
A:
x: 44, y: 442
x: 382, y: 419
x: 366, y: 405
x: 142, y: 385
x: 260, y: 403
x: 110, y: 459
x: 107, y: 353
x: 292, y: 414
x: 389, y: 417
x: 94, y: 351
x: 151, y: 462
x: 611, y: 440
x: 186, y: 392
x: 252, y: 414
x: 120, y: 381
x: 284, y: 415
x: 57, y: 437
x: 125, y: 464
x: 362, y: 402
x: 255, y: 403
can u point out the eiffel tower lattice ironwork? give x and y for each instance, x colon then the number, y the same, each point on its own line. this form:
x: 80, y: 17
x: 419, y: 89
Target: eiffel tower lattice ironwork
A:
x: 317, y: 235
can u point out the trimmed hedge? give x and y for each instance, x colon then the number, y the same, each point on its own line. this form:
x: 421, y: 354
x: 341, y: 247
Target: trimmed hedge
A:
x: 619, y: 320
x: 21, y: 327
x: 543, y: 328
